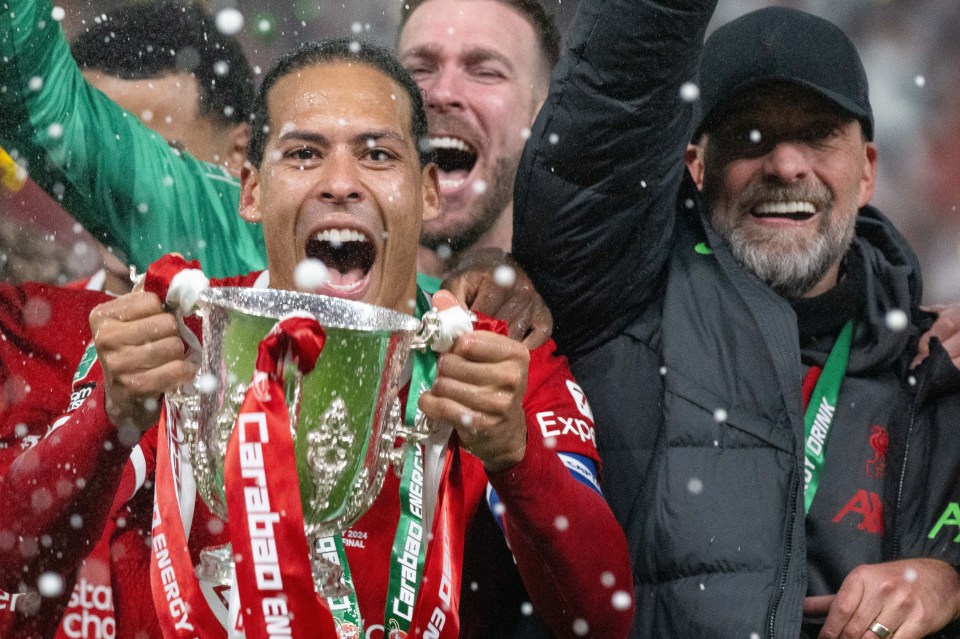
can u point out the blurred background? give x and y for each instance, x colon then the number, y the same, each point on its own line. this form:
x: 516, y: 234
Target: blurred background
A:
x: 909, y: 47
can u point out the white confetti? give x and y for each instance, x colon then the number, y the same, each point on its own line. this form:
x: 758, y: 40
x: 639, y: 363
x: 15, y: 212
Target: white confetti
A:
x: 720, y: 415
x: 504, y: 276
x: 580, y: 627
x: 621, y: 600
x: 553, y: 138
x: 207, y: 384
x: 910, y: 575
x: 695, y: 485
x: 310, y: 275
x: 55, y: 130
x: 755, y: 136
x: 480, y: 187
x: 58, y: 14
x: 896, y: 320
x: 561, y: 523
x: 229, y: 21
x: 50, y: 585
x: 689, y: 92
x: 36, y: 83
x: 526, y: 608
x: 920, y: 81
x: 608, y: 579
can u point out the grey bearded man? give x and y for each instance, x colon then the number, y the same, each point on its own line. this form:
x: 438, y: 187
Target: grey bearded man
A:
x: 744, y: 326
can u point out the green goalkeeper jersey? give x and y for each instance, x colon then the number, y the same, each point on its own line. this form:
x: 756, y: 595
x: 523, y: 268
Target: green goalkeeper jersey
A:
x: 117, y: 177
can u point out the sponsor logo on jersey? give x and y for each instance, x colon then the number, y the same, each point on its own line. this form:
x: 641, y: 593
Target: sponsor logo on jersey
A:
x: 553, y: 425
x: 79, y: 395
x: 879, y: 440
x: 580, y: 398
x: 90, y: 612
x: 869, y: 507
x: 86, y: 363
x: 950, y: 519
x: 9, y: 601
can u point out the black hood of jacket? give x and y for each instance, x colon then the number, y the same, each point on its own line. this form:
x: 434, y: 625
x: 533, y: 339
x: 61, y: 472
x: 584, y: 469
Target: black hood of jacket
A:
x: 885, y: 277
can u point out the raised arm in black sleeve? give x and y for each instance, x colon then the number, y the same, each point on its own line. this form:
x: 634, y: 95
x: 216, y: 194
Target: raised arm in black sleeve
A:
x: 594, y: 202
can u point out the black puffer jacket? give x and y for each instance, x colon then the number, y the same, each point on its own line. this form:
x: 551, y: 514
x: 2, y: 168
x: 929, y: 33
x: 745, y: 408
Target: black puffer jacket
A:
x: 692, y: 365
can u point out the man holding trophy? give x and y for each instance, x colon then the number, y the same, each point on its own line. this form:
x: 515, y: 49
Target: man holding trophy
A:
x: 337, y: 175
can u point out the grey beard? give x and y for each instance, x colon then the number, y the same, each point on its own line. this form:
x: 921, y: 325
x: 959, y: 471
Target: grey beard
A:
x: 791, y: 274
x: 498, y: 195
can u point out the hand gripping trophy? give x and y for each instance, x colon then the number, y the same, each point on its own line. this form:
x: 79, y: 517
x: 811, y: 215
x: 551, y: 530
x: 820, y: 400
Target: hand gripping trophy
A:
x: 287, y: 433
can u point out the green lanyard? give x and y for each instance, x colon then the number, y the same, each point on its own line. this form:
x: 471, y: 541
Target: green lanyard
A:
x: 818, y: 419
x: 410, y: 542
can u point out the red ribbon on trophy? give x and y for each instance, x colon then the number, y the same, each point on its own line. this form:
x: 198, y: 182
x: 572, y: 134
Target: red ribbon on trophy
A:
x: 274, y: 574
x: 181, y: 606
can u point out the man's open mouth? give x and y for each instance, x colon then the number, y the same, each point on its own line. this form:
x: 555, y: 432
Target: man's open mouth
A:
x: 348, y: 255
x: 455, y: 159
x: 792, y: 210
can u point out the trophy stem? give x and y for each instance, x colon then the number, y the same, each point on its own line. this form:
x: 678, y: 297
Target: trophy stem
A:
x: 216, y: 565
x: 216, y: 568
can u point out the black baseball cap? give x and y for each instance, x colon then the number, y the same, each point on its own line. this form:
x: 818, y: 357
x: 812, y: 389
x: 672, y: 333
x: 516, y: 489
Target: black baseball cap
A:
x: 777, y: 44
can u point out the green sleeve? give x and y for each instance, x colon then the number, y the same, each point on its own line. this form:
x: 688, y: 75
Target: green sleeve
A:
x: 428, y: 283
x: 118, y: 178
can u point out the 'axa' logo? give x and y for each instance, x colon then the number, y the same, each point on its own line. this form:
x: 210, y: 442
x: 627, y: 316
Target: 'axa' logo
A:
x: 951, y: 518
x: 879, y: 440
x: 870, y: 508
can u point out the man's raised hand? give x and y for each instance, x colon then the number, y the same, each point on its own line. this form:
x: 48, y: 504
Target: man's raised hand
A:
x: 142, y: 356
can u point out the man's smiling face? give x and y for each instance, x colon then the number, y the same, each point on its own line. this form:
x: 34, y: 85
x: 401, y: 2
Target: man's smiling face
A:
x: 483, y: 78
x: 785, y: 172
x: 341, y: 181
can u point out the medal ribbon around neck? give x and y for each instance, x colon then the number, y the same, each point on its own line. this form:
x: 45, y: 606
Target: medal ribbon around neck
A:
x: 818, y: 419
x: 409, y: 552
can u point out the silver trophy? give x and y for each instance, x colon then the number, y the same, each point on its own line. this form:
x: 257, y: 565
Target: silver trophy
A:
x: 345, y: 415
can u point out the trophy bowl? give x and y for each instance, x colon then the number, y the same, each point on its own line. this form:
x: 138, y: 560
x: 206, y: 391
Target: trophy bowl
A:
x: 345, y: 416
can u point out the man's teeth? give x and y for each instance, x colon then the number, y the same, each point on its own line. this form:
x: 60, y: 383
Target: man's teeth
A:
x: 451, y: 184
x: 785, y: 208
x: 444, y: 142
x: 339, y: 236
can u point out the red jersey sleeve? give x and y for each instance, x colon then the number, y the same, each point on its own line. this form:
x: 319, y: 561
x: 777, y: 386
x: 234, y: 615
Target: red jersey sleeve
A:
x: 556, y: 406
x: 57, y: 496
x: 570, y: 551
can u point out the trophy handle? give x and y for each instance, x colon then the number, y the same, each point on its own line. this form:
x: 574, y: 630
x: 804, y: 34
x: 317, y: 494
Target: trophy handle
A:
x: 427, y: 332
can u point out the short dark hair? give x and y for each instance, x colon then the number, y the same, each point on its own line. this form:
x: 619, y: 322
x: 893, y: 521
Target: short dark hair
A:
x: 149, y: 40
x: 543, y: 23
x: 337, y: 50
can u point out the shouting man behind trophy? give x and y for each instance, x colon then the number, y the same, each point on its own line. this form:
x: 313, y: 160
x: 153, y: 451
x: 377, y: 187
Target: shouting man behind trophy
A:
x: 337, y: 173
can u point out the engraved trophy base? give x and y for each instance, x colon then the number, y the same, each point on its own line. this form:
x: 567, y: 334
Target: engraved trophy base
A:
x: 216, y: 567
